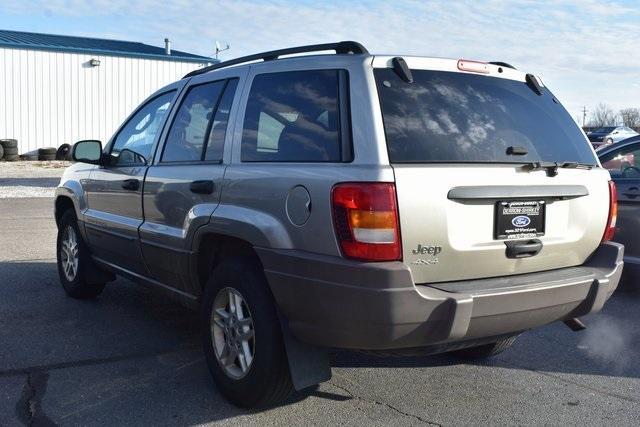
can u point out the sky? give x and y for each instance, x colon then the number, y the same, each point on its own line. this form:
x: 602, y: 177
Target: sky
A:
x: 585, y: 51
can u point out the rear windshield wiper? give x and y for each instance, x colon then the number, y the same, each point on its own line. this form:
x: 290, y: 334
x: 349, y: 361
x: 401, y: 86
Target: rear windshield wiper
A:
x: 552, y: 167
x: 576, y: 165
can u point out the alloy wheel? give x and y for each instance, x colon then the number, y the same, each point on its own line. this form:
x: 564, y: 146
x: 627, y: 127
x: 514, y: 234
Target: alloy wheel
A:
x: 232, y: 333
x: 69, y: 253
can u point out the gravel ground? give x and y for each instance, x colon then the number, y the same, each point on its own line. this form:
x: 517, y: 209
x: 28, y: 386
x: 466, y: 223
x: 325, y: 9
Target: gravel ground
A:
x: 132, y: 357
x: 30, y: 179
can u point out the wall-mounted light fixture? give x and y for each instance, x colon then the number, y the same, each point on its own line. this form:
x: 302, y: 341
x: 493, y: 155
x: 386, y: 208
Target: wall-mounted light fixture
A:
x: 94, y: 62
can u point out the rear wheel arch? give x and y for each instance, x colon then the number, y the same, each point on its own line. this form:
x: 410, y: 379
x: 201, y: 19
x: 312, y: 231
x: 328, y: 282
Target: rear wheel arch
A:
x: 213, y: 248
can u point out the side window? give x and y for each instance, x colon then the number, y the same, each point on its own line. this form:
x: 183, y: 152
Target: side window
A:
x: 624, y: 162
x: 134, y: 143
x: 293, y: 117
x: 186, y: 137
x: 215, y: 142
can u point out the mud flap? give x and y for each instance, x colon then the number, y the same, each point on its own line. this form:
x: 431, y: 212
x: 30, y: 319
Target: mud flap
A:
x: 308, y: 364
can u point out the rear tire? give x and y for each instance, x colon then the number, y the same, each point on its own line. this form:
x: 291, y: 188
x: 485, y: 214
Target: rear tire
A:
x: 265, y: 380
x: 74, y: 260
x: 484, y: 351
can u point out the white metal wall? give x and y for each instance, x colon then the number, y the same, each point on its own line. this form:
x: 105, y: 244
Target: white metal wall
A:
x: 51, y: 98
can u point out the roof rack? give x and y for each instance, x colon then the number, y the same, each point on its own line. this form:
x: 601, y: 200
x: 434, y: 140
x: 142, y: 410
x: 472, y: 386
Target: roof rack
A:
x: 339, y: 47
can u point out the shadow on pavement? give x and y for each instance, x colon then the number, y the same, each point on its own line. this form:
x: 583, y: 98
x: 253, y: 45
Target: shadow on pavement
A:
x: 133, y: 356
x: 130, y: 356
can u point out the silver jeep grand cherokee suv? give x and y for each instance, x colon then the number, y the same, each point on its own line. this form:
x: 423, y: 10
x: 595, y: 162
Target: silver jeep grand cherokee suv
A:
x: 395, y: 204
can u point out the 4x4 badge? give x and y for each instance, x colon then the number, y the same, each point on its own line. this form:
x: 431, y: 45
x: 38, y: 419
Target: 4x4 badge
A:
x: 421, y: 261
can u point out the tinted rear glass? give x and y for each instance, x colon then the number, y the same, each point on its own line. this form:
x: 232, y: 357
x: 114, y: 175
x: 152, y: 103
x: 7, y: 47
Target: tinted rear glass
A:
x: 293, y: 117
x: 458, y: 117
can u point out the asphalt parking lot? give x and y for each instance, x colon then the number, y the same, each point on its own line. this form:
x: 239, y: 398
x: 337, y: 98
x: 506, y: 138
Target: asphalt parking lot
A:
x: 131, y: 357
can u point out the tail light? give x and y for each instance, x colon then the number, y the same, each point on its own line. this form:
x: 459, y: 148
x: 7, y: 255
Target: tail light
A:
x: 610, y: 230
x: 365, y: 216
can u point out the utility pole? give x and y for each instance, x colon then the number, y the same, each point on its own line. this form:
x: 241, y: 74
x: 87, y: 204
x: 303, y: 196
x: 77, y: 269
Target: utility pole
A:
x: 584, y: 115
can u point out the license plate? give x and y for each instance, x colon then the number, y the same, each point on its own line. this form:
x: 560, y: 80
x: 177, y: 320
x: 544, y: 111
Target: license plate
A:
x: 522, y: 219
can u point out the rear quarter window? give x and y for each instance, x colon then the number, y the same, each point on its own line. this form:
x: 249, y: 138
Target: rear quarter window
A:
x: 293, y: 117
x: 461, y: 117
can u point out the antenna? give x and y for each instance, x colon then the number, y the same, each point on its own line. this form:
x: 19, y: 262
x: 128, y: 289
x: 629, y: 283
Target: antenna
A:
x: 219, y: 49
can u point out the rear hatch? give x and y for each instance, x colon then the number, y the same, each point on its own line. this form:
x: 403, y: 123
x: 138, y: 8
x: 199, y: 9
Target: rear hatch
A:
x: 473, y: 156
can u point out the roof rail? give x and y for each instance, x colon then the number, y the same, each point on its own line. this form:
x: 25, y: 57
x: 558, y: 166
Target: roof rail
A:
x: 339, y: 47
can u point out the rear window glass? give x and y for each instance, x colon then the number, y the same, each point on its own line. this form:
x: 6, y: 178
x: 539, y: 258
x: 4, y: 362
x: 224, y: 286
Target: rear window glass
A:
x: 458, y: 117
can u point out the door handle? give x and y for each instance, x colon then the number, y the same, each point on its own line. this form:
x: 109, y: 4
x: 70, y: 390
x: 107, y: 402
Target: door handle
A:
x: 131, y: 184
x: 523, y: 249
x: 203, y: 186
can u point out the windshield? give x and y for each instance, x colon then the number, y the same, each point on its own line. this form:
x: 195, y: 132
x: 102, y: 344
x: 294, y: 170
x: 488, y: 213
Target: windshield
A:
x: 459, y: 117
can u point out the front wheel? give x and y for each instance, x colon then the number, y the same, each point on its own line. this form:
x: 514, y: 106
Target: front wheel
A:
x: 242, y: 338
x: 74, y: 260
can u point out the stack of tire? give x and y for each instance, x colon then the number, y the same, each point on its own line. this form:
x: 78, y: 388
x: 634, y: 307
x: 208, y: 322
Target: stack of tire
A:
x: 48, y: 153
x: 9, y: 150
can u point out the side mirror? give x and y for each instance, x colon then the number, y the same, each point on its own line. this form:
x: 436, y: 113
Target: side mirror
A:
x: 88, y: 151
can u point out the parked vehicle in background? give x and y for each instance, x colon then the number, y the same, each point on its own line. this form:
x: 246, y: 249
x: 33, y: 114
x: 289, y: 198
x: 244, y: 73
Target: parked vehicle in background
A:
x: 623, y: 162
x: 392, y: 204
x: 608, y: 135
x: 598, y: 135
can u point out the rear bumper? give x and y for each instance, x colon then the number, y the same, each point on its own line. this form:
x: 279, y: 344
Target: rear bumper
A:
x: 334, y: 302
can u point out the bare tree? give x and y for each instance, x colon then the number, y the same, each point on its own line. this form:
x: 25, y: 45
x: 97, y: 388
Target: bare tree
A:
x: 602, y: 115
x: 630, y: 117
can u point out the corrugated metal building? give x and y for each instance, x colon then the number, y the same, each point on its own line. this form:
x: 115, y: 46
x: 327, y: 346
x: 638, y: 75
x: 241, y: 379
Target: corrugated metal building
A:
x: 60, y: 89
